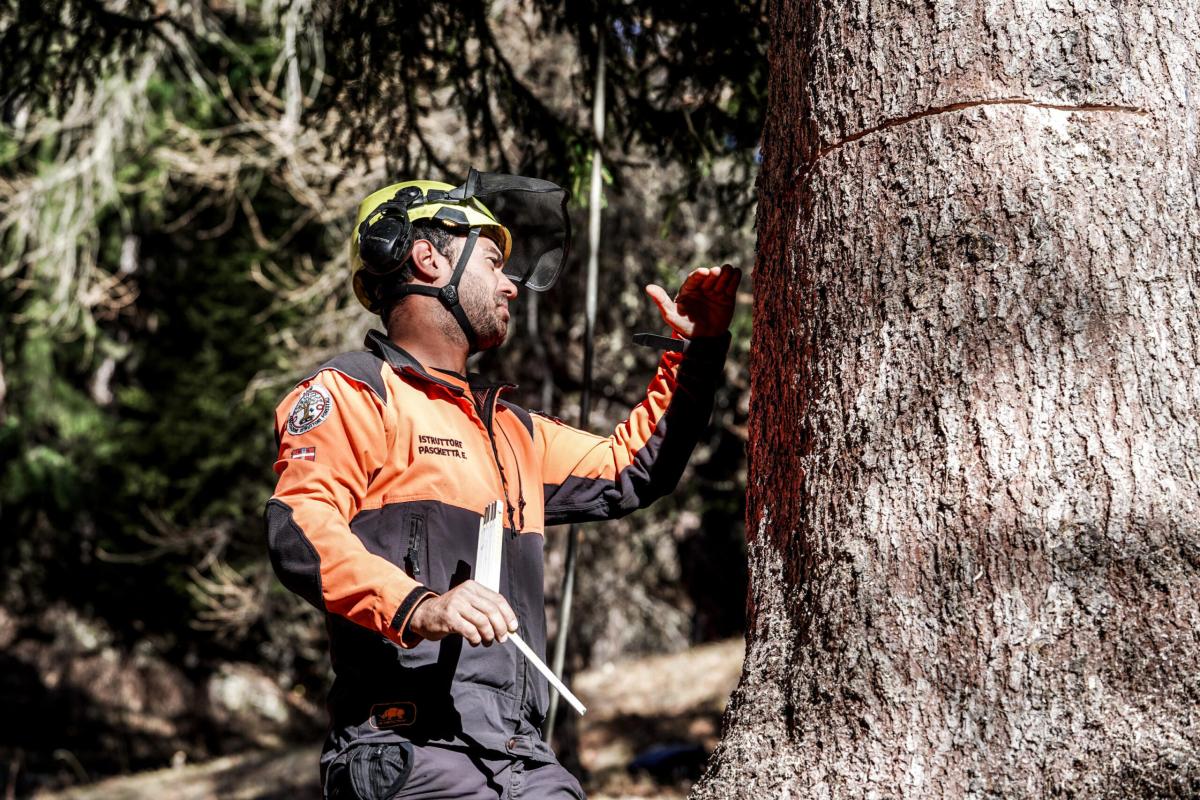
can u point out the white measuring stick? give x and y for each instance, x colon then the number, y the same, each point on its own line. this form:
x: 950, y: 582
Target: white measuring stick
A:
x: 550, y: 676
x: 487, y: 573
x: 491, y: 545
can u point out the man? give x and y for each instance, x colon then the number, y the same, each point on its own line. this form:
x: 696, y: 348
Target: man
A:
x: 388, y: 458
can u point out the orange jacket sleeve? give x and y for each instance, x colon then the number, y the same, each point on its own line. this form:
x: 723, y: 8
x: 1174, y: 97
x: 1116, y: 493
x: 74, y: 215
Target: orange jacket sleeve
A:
x: 333, y: 435
x: 590, y: 477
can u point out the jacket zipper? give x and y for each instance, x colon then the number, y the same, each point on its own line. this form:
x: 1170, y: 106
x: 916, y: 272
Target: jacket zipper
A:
x: 416, y: 543
x: 486, y: 414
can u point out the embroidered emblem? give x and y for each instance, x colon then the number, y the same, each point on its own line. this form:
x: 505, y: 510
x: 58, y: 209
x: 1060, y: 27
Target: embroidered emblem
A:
x: 306, y: 453
x: 393, y: 715
x: 310, y: 410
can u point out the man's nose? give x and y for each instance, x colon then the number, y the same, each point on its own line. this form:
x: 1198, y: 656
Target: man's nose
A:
x: 507, y: 287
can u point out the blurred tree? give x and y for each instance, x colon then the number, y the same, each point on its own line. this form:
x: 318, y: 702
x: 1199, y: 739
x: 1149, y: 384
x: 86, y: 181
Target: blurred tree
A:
x: 974, y: 436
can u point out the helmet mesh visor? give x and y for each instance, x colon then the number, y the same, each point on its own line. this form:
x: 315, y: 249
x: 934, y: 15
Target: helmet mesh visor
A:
x: 535, y: 211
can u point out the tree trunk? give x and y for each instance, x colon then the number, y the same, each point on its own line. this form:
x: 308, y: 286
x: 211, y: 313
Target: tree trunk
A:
x: 973, y: 503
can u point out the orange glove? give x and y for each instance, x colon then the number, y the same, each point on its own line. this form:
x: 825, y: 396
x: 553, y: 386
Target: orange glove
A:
x: 704, y: 305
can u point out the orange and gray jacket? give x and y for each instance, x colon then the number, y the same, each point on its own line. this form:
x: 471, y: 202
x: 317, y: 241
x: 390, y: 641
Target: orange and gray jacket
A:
x: 385, y: 468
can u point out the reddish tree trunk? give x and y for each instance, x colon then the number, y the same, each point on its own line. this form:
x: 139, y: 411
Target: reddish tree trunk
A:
x: 975, y: 459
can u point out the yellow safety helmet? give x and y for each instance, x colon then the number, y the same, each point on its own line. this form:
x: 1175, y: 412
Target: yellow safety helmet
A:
x: 536, y: 210
x: 387, y: 251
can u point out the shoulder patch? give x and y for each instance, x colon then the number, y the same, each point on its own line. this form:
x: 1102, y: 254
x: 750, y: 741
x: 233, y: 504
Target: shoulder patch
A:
x: 311, y: 409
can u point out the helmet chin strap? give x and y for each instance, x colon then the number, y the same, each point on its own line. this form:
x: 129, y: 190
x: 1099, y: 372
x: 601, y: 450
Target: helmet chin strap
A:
x: 448, y: 294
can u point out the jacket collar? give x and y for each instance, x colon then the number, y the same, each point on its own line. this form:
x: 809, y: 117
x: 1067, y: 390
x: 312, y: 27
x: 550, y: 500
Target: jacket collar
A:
x: 401, y: 360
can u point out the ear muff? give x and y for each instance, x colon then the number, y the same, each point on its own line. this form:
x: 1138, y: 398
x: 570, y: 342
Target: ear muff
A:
x: 385, y: 237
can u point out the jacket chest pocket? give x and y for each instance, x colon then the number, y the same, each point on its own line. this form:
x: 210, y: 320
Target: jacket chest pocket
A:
x: 397, y: 534
x: 416, y: 551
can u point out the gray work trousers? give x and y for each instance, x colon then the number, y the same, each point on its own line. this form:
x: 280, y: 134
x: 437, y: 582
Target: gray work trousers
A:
x: 424, y: 772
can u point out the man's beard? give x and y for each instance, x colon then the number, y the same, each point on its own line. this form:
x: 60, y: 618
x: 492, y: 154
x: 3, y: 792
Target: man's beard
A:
x: 482, y: 312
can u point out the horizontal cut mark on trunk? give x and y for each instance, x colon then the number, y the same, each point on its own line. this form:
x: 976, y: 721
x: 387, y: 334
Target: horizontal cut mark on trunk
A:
x: 946, y: 109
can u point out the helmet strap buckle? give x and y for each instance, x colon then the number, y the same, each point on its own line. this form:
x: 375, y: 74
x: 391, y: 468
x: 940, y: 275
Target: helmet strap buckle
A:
x: 448, y: 294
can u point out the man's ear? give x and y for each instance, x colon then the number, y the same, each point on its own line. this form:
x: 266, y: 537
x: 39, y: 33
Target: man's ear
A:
x: 427, y: 263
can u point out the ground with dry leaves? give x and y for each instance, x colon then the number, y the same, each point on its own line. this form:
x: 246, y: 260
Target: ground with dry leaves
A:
x: 670, y: 705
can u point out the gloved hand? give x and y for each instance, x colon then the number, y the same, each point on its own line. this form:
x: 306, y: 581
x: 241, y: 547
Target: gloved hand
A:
x: 704, y: 305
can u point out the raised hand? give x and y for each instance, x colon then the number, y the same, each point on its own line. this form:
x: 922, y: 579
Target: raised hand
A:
x: 704, y: 305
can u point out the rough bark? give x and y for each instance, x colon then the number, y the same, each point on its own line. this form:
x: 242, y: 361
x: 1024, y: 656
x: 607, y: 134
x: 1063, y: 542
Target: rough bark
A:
x: 975, y: 451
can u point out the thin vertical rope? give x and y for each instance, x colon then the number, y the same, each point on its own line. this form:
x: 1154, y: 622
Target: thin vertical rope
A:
x: 595, y: 199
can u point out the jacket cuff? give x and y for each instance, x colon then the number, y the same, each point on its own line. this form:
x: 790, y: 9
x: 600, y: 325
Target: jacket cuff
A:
x: 404, y: 614
x: 707, y: 352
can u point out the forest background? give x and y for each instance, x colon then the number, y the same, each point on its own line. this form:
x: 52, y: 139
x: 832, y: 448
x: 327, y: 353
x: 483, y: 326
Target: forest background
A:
x: 177, y: 188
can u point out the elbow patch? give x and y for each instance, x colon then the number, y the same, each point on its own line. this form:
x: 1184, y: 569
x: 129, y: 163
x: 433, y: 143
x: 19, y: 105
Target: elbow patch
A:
x: 294, y: 558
